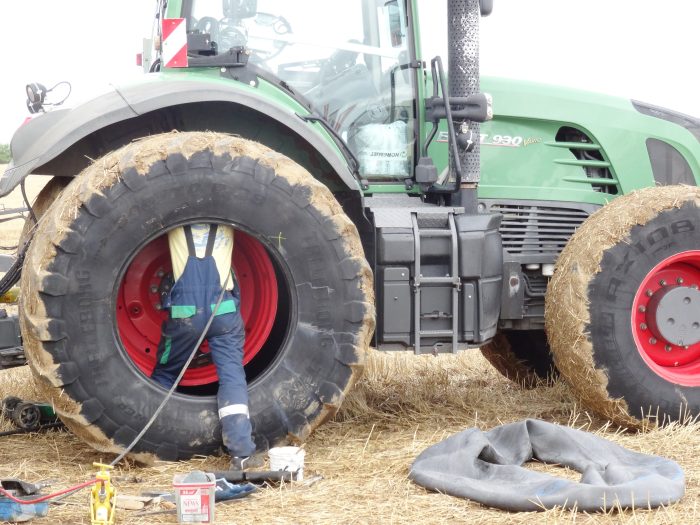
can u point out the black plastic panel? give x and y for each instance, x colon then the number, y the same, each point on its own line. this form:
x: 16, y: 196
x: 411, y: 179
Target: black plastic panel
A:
x: 668, y: 165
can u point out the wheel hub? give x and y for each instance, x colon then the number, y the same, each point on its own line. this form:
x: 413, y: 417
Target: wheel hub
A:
x: 674, y: 315
x: 666, y: 318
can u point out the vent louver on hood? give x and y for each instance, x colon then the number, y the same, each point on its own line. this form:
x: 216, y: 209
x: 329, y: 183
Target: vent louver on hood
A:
x: 588, y: 155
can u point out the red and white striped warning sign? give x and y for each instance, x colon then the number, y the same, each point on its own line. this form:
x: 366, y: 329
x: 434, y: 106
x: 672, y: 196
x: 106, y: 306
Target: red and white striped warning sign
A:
x: 174, y: 42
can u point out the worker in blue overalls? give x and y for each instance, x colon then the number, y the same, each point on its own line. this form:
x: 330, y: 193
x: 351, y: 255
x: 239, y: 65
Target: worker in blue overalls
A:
x: 201, y: 258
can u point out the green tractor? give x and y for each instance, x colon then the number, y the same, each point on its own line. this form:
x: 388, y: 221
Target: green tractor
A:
x: 375, y: 204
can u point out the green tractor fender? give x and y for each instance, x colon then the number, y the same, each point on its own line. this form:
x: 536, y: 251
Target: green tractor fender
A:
x: 61, y: 142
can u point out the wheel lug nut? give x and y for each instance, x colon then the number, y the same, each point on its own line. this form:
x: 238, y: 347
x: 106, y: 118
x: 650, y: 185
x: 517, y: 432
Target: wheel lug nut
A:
x: 154, y: 289
x: 667, y: 348
x: 160, y: 273
x: 649, y: 293
x: 157, y: 306
x: 652, y: 340
x: 679, y: 280
x: 642, y: 309
x: 694, y: 286
x: 643, y: 326
x: 662, y: 282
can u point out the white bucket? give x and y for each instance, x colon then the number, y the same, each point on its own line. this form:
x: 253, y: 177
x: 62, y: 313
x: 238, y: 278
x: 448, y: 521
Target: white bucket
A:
x: 290, y: 459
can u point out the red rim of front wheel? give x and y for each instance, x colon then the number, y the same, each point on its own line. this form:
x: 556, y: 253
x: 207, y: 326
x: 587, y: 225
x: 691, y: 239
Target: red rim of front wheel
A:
x: 666, y: 356
x: 139, y: 318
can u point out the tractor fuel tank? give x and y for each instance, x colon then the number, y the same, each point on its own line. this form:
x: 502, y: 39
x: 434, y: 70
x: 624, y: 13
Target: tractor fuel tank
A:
x: 439, y: 273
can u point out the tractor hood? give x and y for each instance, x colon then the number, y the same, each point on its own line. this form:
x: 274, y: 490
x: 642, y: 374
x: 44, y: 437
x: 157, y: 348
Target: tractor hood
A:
x: 555, y: 143
x: 47, y: 136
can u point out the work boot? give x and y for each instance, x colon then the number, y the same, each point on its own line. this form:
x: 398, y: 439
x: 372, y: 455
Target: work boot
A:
x: 249, y: 462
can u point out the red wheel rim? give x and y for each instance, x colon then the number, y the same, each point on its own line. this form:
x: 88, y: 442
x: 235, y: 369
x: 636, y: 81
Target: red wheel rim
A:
x: 139, y: 319
x: 679, y: 364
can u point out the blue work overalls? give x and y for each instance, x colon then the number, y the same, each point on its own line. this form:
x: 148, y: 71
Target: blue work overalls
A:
x: 192, y: 301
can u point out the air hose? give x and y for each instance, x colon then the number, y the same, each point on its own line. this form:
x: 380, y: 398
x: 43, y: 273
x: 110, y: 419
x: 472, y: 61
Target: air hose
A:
x: 10, y: 278
x: 75, y: 488
x: 48, y: 496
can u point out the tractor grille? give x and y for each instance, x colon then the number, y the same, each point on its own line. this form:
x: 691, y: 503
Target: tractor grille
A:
x: 537, y: 232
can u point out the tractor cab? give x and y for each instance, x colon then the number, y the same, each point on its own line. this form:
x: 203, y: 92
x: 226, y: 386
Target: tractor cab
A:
x: 355, y: 73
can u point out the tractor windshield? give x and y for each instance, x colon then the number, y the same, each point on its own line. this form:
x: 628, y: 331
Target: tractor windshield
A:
x: 349, y: 58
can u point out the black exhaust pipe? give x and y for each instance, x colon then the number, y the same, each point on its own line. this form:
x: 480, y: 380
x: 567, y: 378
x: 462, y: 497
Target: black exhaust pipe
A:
x: 463, y: 57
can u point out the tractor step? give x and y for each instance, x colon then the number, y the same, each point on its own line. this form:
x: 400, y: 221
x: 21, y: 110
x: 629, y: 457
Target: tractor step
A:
x: 435, y: 333
x: 449, y: 230
x: 439, y: 280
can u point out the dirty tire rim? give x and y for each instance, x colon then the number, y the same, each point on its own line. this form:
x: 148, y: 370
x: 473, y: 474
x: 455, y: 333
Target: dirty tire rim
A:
x: 679, y: 364
x: 139, y: 320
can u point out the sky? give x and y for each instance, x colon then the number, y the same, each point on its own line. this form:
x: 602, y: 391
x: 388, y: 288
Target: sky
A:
x: 642, y: 49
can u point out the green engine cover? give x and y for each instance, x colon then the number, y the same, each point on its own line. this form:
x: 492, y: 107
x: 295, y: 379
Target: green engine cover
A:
x: 559, y: 144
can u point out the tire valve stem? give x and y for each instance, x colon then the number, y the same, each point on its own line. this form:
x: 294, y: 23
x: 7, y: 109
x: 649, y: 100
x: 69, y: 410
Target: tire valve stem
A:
x: 652, y: 340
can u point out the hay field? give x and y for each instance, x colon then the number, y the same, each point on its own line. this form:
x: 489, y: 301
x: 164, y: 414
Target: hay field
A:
x: 402, y: 405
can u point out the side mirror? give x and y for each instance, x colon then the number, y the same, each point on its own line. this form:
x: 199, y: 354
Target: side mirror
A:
x: 238, y: 9
x: 486, y: 7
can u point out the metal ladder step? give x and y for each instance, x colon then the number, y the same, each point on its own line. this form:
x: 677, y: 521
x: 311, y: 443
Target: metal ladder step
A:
x: 438, y: 280
x: 435, y: 333
x: 433, y: 232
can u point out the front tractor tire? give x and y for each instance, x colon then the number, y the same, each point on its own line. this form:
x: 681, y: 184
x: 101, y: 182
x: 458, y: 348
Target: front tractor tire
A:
x: 623, y: 308
x: 523, y: 356
x: 95, y: 270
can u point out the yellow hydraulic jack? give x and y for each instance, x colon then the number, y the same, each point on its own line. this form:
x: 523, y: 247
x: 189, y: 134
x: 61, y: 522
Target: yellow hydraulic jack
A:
x: 102, y: 497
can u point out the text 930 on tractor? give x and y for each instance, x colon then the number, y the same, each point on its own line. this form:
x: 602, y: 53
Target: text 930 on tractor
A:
x: 380, y: 198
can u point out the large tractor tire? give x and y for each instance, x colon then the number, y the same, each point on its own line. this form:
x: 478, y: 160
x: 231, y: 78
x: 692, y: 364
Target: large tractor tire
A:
x: 623, y: 308
x: 96, y: 268
x: 523, y: 356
